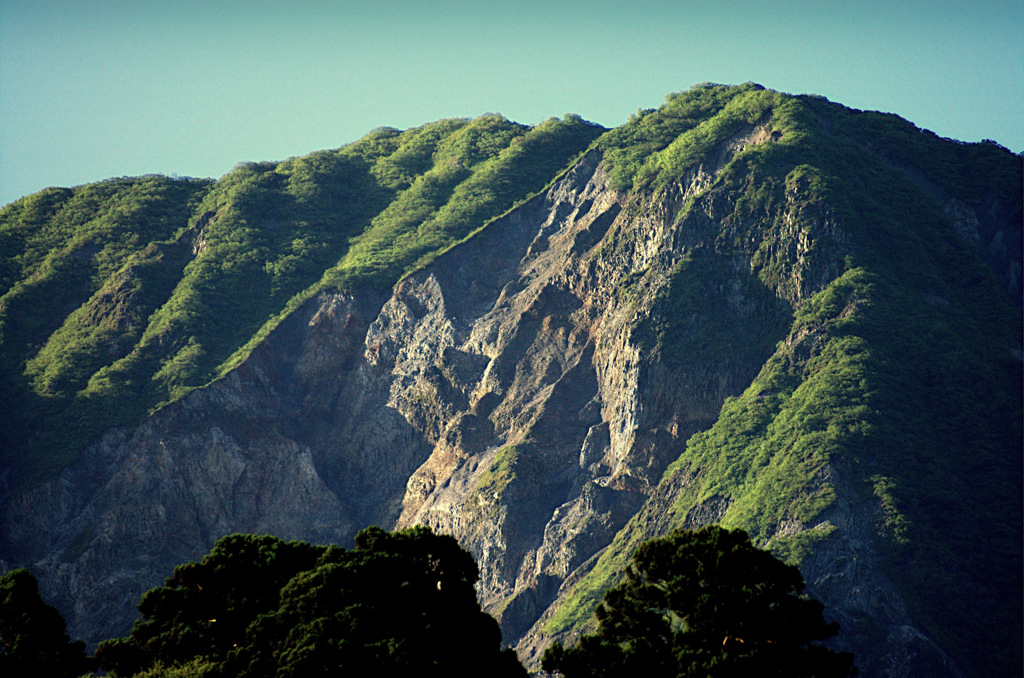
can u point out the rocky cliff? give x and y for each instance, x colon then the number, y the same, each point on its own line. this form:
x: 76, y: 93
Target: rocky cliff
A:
x: 605, y: 363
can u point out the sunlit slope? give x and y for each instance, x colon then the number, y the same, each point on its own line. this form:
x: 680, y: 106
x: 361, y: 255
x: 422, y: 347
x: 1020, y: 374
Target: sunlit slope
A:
x: 895, y: 385
x: 120, y: 296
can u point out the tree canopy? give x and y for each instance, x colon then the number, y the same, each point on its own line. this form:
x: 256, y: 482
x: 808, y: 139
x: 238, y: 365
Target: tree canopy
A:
x: 33, y: 640
x: 402, y: 603
x: 705, y: 603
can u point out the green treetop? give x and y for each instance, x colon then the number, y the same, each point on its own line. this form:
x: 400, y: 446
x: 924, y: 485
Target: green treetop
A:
x: 398, y: 604
x: 705, y: 603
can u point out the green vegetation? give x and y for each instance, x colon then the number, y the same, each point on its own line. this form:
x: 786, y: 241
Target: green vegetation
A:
x: 475, y: 178
x: 845, y: 388
x: 488, y: 494
x: 703, y: 316
x: 634, y: 150
x: 493, y: 481
x: 899, y: 362
x: 705, y: 603
x: 81, y: 270
x: 32, y: 636
x: 402, y: 603
x: 405, y: 603
x: 123, y: 296
x: 819, y: 254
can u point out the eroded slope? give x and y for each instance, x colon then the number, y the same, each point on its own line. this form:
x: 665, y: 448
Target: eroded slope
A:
x: 747, y: 308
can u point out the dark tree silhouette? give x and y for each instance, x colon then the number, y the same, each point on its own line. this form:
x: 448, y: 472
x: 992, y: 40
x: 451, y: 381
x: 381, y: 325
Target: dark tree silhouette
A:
x: 397, y: 604
x: 705, y: 603
x: 33, y: 641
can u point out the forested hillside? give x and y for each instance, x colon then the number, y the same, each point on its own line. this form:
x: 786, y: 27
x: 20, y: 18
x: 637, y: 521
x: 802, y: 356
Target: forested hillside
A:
x: 765, y: 311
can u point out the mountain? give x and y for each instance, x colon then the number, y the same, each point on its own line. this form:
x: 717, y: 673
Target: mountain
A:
x: 749, y: 308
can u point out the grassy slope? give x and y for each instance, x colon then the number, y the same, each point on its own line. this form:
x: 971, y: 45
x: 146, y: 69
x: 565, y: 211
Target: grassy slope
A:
x: 122, y: 296
x: 902, y: 369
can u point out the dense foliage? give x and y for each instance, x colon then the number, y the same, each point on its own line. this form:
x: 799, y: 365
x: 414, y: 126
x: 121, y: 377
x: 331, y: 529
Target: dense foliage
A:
x: 33, y: 641
x: 402, y: 603
x: 122, y: 296
x: 705, y: 603
x: 653, y: 142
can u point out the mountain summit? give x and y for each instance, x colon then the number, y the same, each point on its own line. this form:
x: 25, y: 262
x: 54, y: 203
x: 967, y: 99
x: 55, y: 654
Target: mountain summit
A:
x: 765, y: 311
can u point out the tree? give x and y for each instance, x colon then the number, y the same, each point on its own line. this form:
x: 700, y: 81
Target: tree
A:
x: 205, y: 608
x: 705, y: 603
x: 255, y: 607
x: 33, y: 640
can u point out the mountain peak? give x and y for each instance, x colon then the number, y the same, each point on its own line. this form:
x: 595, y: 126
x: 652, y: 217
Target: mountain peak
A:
x: 744, y: 307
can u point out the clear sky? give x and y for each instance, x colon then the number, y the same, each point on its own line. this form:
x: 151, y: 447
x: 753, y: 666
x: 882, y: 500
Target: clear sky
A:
x: 96, y: 88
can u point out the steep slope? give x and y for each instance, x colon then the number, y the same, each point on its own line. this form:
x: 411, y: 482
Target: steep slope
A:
x: 879, y: 446
x: 745, y: 307
x: 122, y: 296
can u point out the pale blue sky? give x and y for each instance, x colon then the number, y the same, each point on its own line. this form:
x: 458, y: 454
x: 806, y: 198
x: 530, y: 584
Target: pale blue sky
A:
x: 91, y: 89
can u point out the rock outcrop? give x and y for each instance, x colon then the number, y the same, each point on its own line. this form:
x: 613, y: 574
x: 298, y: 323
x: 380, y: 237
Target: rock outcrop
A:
x: 520, y: 392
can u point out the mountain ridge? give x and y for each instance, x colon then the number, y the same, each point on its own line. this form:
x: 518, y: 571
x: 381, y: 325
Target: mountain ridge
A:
x: 694, y: 321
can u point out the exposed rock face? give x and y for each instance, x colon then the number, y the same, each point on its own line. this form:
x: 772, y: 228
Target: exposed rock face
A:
x: 510, y: 394
x: 244, y: 455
